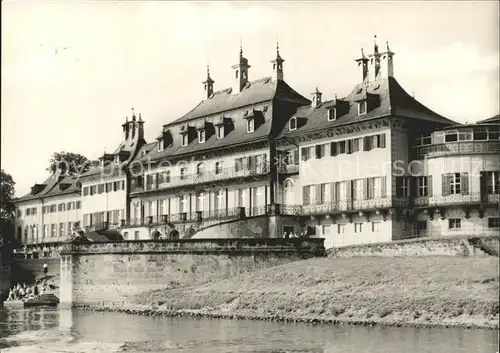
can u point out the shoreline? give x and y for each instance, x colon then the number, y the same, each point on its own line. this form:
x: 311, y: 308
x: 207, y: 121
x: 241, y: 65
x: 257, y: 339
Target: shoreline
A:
x: 313, y: 320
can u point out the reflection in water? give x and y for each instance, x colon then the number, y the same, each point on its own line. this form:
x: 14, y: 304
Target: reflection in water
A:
x: 50, y: 330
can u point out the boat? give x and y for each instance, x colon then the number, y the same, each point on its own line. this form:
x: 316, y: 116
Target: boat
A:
x: 42, y: 300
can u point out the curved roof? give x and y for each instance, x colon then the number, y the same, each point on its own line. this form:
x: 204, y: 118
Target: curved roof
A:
x: 392, y: 99
x: 51, y: 187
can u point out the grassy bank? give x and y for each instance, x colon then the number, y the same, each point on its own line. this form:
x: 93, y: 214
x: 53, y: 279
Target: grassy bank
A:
x: 416, y: 291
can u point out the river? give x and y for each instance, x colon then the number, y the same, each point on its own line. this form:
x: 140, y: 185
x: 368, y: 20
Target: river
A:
x: 57, y: 331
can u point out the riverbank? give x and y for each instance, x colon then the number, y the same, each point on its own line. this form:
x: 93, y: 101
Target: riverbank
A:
x: 432, y: 291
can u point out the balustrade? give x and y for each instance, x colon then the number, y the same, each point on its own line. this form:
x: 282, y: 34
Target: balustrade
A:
x: 460, y: 147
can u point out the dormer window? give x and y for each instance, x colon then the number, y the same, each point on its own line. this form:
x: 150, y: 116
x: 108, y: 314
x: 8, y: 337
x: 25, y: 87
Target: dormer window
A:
x: 160, y: 145
x: 201, y: 136
x: 362, y: 107
x: 250, y: 125
x: 184, y: 140
x: 220, y: 131
x: 292, y: 124
x: 332, y: 114
x: 117, y: 159
x: 144, y: 152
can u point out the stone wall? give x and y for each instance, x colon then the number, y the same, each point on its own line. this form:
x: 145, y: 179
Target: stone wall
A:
x: 257, y: 227
x: 460, y: 245
x: 103, y: 273
x: 4, y: 281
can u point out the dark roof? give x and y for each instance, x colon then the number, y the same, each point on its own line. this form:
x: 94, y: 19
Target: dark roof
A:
x: 50, y: 187
x: 393, y: 100
x: 493, y: 119
x: 258, y: 91
x: 255, y: 100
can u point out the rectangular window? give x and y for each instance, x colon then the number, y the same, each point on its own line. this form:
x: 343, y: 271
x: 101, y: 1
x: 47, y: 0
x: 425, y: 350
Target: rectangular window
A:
x: 161, y: 144
x: 85, y: 191
x: 362, y: 107
x: 494, y: 222
x: 341, y: 228
x: 375, y: 226
x: 136, y: 235
x: 422, y: 184
x: 61, y: 229
x: 69, y: 206
x: 325, y: 193
x: 319, y: 151
x: 355, y: 145
x: 52, y: 208
x: 358, y: 227
x: 185, y: 140
x: 184, y: 173
x: 341, y: 147
x: 28, y: 211
x: 100, y: 188
x: 250, y: 125
x: 53, y: 230
x: 125, y: 235
x: 451, y: 136
x: 332, y: 114
x: 455, y: 183
x: 454, y: 223
x: 218, y: 167
x: 201, y: 136
x: 45, y: 231
x: 292, y: 124
x: 420, y: 228
x: 77, y: 205
x: 166, y: 176
x: 220, y: 131
x: 480, y: 134
x: 358, y: 190
x: 465, y: 135
x: 93, y: 190
x: 304, y: 153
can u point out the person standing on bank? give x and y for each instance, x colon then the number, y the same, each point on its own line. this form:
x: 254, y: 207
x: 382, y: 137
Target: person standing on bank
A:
x: 45, y: 268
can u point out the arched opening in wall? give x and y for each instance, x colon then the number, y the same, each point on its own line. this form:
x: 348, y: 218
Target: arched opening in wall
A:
x: 288, y: 192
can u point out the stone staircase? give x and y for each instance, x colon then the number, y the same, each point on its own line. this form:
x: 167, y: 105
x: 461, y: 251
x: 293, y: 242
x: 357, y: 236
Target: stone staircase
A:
x: 480, y: 244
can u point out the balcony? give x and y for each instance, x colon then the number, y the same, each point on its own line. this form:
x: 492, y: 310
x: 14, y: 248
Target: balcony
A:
x: 457, y: 200
x: 289, y: 169
x: 344, y: 206
x: 197, y: 216
x: 458, y: 148
x: 204, y: 177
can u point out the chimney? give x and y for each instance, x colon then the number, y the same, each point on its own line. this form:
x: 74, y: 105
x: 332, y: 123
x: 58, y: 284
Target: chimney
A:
x: 316, y: 98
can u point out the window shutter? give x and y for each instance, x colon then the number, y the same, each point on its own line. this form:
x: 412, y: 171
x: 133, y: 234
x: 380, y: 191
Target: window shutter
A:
x: 446, y: 180
x: 365, y: 188
x: 429, y: 186
x: 382, y: 141
x: 295, y: 157
x: 237, y: 165
x: 383, y: 187
x: 251, y: 162
x: 306, y: 195
x: 333, y: 149
x: 464, y: 183
x: 317, y: 194
x: 349, y: 189
x: 412, y: 182
x: 366, y: 143
x: 483, y: 187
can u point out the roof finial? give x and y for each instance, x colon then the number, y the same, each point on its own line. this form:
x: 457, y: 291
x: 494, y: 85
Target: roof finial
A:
x: 387, y: 46
x: 140, y: 117
x: 133, y: 114
x: 375, y: 45
x: 241, y: 47
x: 277, y: 46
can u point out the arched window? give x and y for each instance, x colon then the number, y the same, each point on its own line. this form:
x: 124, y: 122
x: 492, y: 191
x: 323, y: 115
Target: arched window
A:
x: 292, y: 124
x: 199, y: 169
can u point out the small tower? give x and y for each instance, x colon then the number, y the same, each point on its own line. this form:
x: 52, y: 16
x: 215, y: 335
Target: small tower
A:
x: 240, y: 73
x: 125, y: 127
x: 363, y: 66
x: 316, y: 98
x: 208, y: 85
x: 278, y: 65
x: 374, y: 61
x: 387, y: 62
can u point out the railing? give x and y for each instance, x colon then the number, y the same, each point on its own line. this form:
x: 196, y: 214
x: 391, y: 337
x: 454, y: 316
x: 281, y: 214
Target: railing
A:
x: 204, y: 177
x: 458, y: 199
x: 343, y: 205
x: 461, y: 147
x: 223, y: 214
x: 289, y: 168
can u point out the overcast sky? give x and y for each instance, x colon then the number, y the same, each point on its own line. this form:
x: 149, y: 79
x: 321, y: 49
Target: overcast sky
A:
x: 71, y: 72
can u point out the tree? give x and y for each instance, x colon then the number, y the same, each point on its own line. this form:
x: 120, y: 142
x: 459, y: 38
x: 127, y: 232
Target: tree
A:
x: 7, y: 211
x: 73, y: 164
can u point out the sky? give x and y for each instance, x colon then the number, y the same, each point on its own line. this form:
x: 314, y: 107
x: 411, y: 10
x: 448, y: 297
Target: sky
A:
x: 72, y: 71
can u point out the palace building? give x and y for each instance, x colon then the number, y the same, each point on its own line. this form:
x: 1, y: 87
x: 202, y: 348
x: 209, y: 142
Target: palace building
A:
x: 258, y: 159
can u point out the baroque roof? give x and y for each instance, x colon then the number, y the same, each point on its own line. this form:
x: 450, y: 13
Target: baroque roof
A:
x: 392, y: 100
x: 52, y: 187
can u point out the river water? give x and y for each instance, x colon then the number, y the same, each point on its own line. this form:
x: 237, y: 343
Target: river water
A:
x: 57, y: 331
